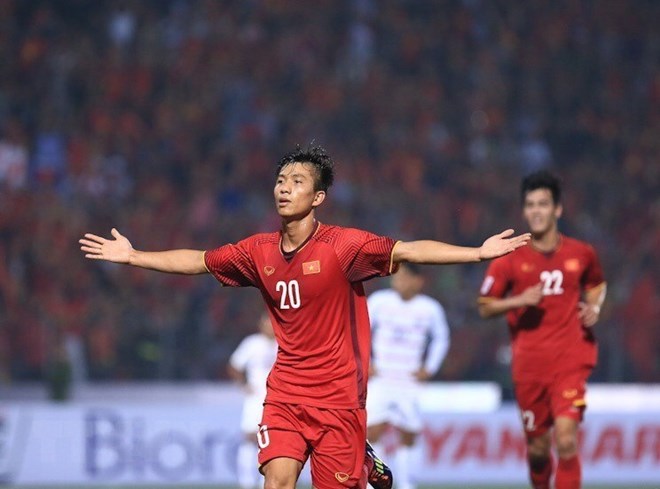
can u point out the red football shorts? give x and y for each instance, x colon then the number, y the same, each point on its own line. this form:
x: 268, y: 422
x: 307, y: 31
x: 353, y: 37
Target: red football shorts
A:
x: 542, y: 402
x: 333, y: 439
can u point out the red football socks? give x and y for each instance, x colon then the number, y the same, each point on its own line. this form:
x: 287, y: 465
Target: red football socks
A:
x: 569, y: 473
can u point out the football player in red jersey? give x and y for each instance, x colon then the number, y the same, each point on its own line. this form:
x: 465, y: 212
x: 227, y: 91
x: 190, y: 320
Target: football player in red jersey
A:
x: 551, y: 291
x: 310, y: 276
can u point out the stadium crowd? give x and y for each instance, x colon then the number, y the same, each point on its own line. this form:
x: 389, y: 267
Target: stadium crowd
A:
x: 165, y: 119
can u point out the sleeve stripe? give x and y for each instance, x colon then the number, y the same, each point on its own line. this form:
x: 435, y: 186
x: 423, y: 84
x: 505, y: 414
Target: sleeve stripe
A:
x: 204, y: 261
x: 392, y: 264
x: 600, y: 286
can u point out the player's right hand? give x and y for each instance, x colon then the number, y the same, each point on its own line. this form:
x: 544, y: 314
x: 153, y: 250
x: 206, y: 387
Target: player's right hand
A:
x: 116, y: 250
x: 532, y: 296
x: 422, y: 374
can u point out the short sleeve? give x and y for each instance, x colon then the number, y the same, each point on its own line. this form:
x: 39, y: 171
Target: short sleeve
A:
x: 593, y: 273
x: 364, y: 255
x: 496, y: 281
x: 232, y: 264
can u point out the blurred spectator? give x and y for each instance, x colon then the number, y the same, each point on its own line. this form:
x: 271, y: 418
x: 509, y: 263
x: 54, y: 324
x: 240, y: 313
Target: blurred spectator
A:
x: 13, y: 156
x: 167, y: 118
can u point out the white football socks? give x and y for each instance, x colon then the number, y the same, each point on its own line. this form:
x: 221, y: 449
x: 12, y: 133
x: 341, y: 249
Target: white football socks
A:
x: 402, y: 470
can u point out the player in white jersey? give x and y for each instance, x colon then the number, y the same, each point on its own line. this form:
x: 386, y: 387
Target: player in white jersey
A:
x: 250, y: 364
x: 410, y: 338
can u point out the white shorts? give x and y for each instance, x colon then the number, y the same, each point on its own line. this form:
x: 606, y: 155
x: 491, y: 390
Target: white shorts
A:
x: 395, y: 403
x: 253, y: 407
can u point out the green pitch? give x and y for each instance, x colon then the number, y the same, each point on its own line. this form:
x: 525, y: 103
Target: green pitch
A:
x: 650, y: 486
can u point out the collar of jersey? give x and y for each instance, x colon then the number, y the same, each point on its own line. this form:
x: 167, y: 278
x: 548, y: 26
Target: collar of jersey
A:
x: 288, y: 255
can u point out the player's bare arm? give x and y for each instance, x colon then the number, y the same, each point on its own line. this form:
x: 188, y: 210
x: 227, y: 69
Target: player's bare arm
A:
x: 119, y: 250
x: 439, y: 253
x: 531, y: 296
x: 589, y: 309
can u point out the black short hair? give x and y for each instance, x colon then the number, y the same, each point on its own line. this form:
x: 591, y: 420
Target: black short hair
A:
x: 318, y: 158
x: 541, y: 179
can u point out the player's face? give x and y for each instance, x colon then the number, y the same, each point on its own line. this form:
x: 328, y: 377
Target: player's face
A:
x: 406, y: 283
x: 294, y: 192
x: 540, y: 211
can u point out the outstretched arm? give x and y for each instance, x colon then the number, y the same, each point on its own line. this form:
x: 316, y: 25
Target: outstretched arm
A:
x: 120, y: 250
x: 438, y: 253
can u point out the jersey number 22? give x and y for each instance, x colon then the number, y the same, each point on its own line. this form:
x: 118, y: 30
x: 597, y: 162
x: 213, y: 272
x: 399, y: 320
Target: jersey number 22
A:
x: 552, y: 281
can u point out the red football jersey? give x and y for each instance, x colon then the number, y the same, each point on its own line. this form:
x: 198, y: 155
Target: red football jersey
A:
x: 318, y: 307
x: 550, y: 336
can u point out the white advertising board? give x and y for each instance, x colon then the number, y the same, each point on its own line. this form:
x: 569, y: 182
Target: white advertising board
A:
x: 490, y: 448
x: 190, y: 442
x: 122, y: 444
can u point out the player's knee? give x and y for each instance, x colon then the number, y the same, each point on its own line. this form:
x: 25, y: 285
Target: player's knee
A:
x: 408, y: 438
x: 279, y: 483
x: 375, y: 432
x: 539, y: 447
x: 275, y: 478
x: 566, y: 445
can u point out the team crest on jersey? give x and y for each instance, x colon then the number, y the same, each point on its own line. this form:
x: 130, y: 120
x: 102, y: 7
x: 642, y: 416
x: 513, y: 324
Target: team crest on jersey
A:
x: 311, y: 267
x: 569, y: 393
x: 572, y: 265
x: 341, y: 476
x: 268, y: 270
x: 526, y: 267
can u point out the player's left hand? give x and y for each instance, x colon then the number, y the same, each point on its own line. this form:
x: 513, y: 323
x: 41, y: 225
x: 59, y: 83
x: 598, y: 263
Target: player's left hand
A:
x: 501, y: 244
x: 588, y: 314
